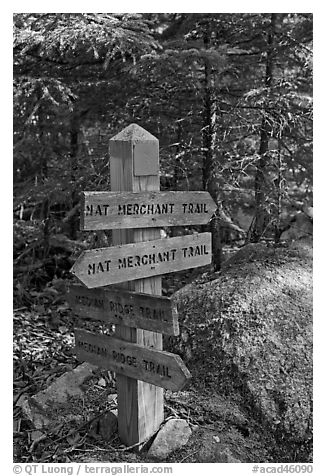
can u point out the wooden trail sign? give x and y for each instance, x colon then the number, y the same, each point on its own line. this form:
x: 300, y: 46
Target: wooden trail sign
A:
x: 157, y: 367
x: 134, y: 167
x: 110, y: 210
x: 116, y: 264
x: 126, y: 308
x: 135, y: 210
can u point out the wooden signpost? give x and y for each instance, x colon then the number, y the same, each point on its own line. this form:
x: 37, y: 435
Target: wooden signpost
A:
x: 134, y: 210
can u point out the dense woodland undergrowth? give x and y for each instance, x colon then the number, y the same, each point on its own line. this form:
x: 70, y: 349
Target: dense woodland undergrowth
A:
x: 229, y: 96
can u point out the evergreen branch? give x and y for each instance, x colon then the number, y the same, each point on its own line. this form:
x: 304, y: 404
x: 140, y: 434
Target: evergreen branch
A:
x: 296, y: 42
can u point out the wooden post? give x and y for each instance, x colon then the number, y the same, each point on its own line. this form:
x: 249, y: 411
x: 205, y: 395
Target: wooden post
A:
x: 134, y: 166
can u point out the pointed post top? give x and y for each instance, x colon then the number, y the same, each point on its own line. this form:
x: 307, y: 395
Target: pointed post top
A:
x: 134, y: 133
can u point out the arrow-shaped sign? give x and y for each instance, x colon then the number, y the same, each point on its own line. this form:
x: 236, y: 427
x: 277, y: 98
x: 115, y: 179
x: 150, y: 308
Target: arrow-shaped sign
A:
x: 142, y: 363
x: 126, y: 308
x: 110, y: 210
x: 117, y: 264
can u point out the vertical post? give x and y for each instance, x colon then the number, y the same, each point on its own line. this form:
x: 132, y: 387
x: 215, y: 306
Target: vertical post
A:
x: 134, y: 166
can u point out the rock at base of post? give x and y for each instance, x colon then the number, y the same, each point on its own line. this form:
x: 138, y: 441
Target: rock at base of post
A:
x: 172, y: 436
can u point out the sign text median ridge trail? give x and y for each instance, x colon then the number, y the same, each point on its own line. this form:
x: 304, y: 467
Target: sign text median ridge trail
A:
x: 119, y: 306
x: 149, y: 365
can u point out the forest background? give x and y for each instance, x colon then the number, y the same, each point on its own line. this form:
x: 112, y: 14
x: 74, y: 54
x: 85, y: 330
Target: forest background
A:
x: 229, y: 96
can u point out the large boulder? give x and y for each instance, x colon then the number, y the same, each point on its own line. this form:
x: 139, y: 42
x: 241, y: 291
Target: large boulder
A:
x: 246, y: 332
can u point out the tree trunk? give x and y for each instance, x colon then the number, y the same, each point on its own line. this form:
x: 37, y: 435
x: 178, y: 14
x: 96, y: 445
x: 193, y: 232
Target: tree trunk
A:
x: 46, y: 228
x: 209, y: 142
x: 43, y: 164
x: 74, y: 144
x: 278, y: 205
x: 177, y: 164
x: 262, y: 214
